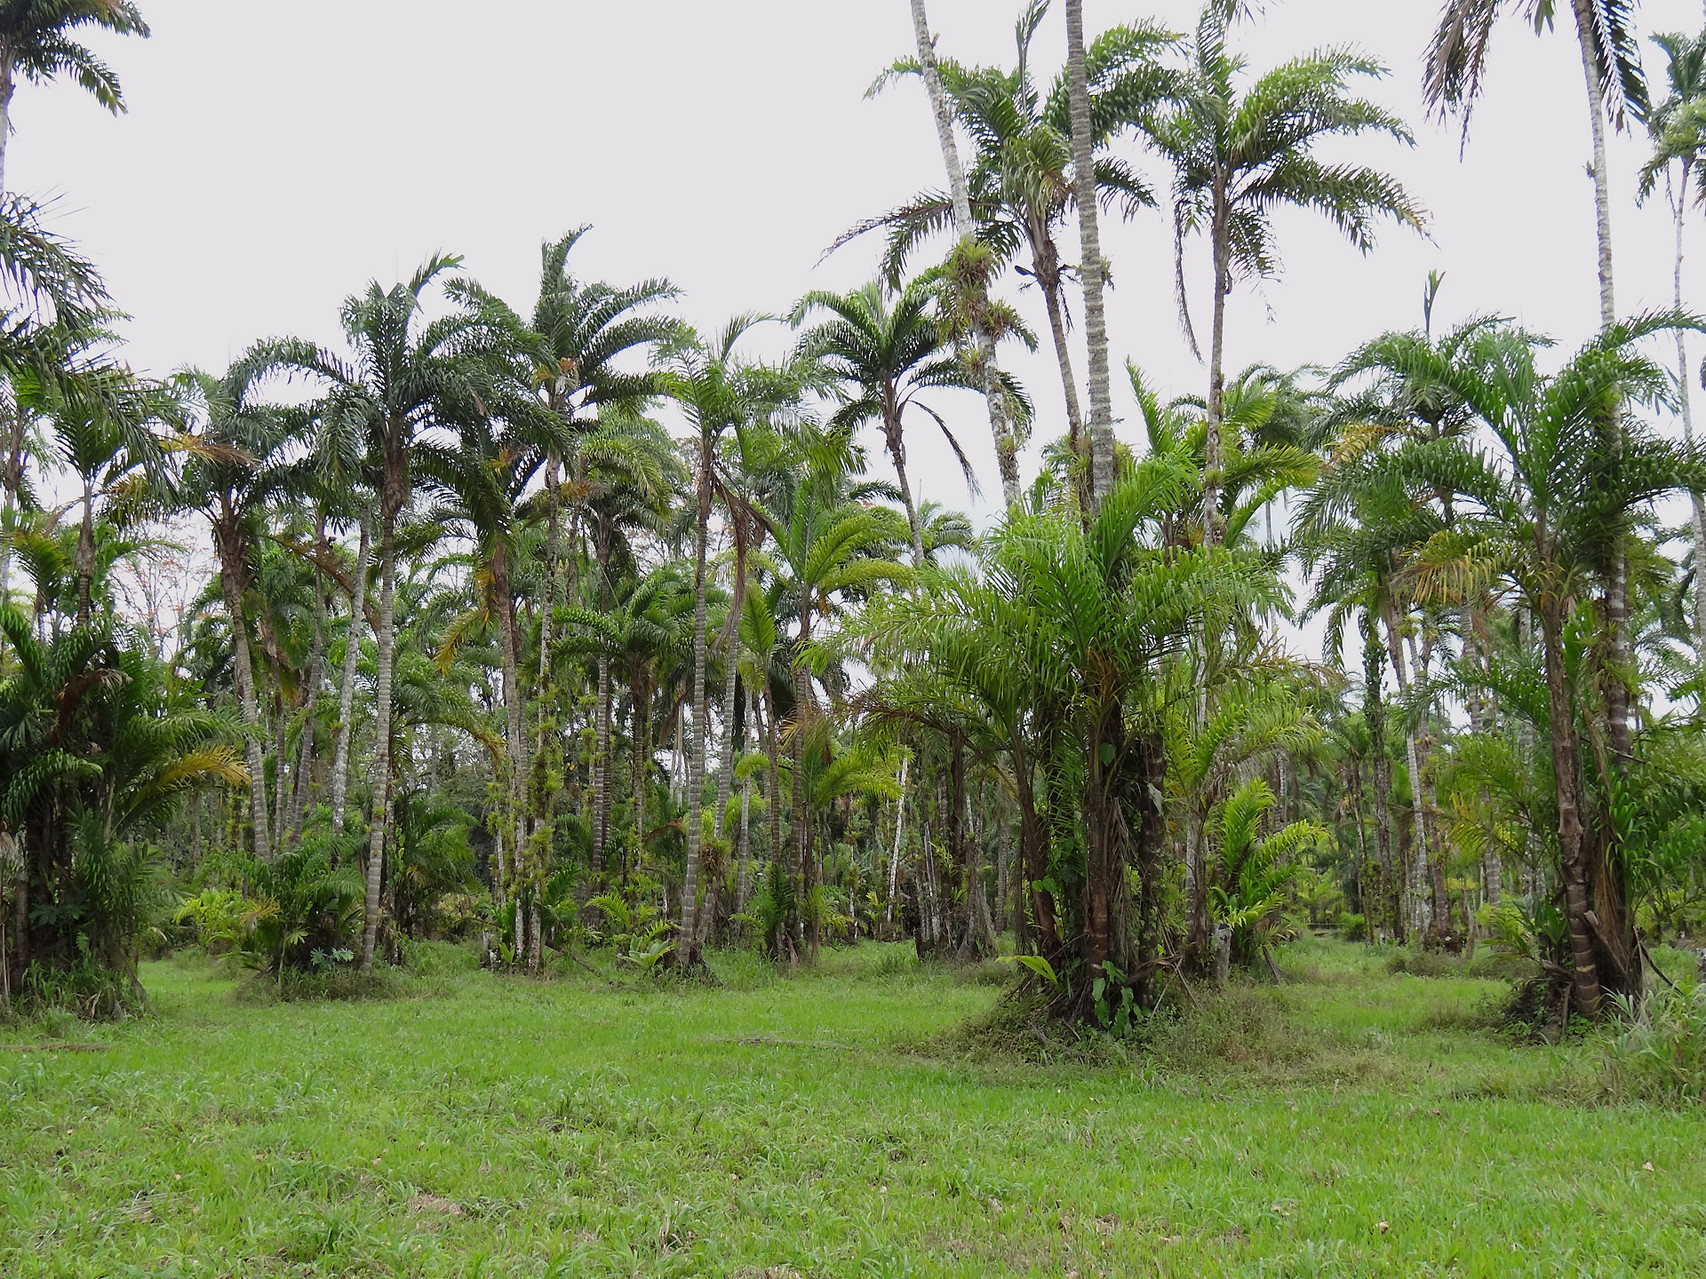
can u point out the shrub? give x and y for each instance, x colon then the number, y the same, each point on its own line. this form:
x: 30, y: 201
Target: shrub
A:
x: 84, y: 987
x: 1661, y: 1054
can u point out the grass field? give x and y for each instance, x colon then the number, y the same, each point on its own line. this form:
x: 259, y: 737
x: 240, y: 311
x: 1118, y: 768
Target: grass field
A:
x: 839, y: 1123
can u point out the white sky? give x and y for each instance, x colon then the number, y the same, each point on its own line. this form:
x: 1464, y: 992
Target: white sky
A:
x: 276, y: 157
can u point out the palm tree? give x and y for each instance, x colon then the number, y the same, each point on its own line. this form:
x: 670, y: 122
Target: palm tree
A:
x: 485, y: 472
x: 229, y: 481
x: 36, y: 43
x: 574, y: 341
x: 1455, y: 76
x: 1238, y: 156
x: 719, y: 392
x: 1537, y: 515
x: 105, y: 424
x: 974, y: 280
x: 828, y: 549
x: 883, y: 355
x: 1678, y: 128
x: 1100, y: 428
x: 1021, y: 185
x: 1616, y: 91
x: 94, y: 750
x: 407, y: 376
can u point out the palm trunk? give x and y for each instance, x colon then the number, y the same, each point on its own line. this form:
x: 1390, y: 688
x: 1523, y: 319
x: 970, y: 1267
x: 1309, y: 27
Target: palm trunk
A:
x: 1686, y: 408
x: 731, y: 693
x: 1045, y: 262
x: 230, y: 579
x: 1091, y: 268
x: 687, y: 952
x: 897, y: 454
x: 8, y: 86
x: 513, y: 825
x: 85, y: 559
x: 1573, y: 856
x: 743, y: 879
x: 316, y: 673
x: 899, y: 828
x: 1214, y: 456
x: 1006, y: 446
x: 1616, y: 691
x: 601, y: 729
x: 726, y: 763
x: 1374, y: 713
x: 1418, y: 907
x: 382, y: 731
x: 601, y: 765
x: 346, y: 691
x: 773, y: 779
x: 637, y: 722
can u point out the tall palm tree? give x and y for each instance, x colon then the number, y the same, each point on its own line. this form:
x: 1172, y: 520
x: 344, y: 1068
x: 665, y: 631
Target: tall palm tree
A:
x: 1453, y: 80
x: 1535, y: 514
x: 719, y: 392
x: 485, y: 472
x: 36, y: 42
x: 575, y: 340
x: 883, y: 354
x: 406, y: 375
x: 1239, y: 153
x: 1678, y: 129
x: 829, y: 549
x: 1091, y: 267
x: 1021, y: 182
x: 975, y: 280
x: 229, y: 481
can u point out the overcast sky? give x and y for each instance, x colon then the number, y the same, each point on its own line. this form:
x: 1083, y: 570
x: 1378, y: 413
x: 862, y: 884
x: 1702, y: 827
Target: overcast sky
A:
x: 277, y: 157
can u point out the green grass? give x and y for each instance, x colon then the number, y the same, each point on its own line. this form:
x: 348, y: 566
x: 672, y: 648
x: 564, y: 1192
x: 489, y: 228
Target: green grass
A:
x: 833, y: 1124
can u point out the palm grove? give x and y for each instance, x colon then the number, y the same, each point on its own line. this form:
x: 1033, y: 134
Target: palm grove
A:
x: 484, y: 650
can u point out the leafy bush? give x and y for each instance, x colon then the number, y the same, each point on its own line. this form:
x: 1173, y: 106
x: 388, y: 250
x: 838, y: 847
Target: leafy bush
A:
x: 296, y: 907
x: 634, y: 932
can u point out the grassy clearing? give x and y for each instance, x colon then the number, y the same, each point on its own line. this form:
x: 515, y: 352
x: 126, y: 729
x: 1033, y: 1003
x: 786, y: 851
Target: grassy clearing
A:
x: 829, y: 1125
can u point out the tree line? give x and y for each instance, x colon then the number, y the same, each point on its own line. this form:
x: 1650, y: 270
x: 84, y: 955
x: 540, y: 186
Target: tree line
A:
x: 486, y: 650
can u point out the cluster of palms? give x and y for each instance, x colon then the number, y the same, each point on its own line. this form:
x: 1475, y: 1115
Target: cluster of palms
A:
x: 486, y: 648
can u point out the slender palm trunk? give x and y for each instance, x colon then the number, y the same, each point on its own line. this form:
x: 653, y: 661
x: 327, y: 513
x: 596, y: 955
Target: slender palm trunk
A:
x: 687, y: 943
x: 1572, y: 847
x: 641, y: 750
x: 382, y: 730
x: 1374, y: 713
x: 899, y: 830
x: 85, y: 558
x: 346, y: 690
x: 743, y: 878
x: 1045, y: 263
x: 231, y: 581
x: 514, y: 831
x: 897, y: 454
x: 1214, y: 453
x: 773, y: 782
x: 316, y: 676
x: 1685, y: 406
x: 726, y: 761
x: 1091, y: 268
x: 1418, y: 912
x: 1616, y: 691
x: 601, y: 761
x: 8, y: 86
x: 1000, y: 425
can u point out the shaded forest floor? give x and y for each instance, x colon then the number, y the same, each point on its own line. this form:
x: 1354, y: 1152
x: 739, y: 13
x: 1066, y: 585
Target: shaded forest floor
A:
x: 839, y: 1123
